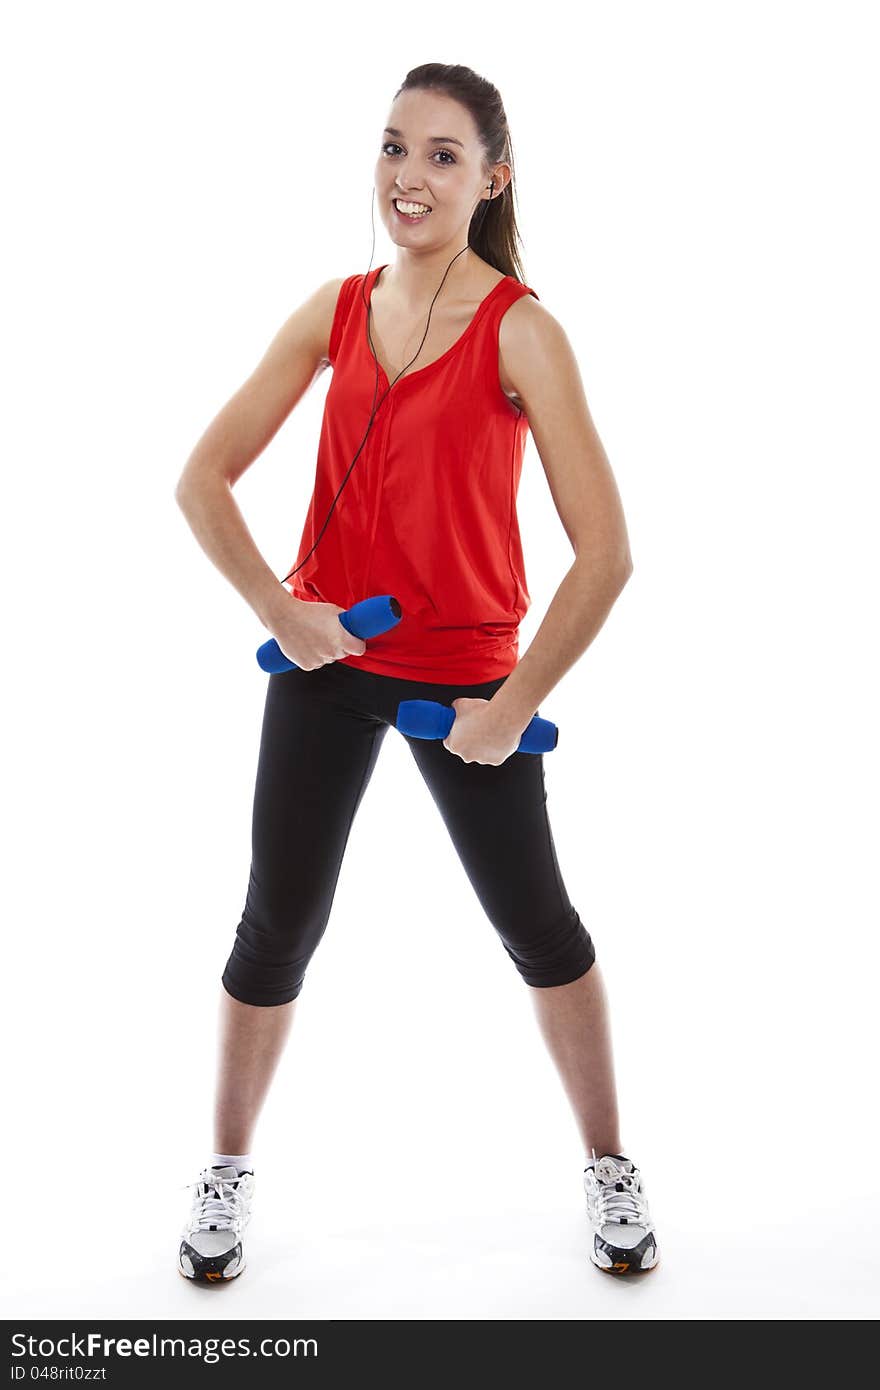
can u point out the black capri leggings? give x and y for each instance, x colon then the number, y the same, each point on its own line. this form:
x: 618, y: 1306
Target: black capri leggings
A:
x: 321, y: 735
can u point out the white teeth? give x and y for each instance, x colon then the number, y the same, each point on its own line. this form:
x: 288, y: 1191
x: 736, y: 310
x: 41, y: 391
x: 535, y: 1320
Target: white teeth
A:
x: 411, y: 208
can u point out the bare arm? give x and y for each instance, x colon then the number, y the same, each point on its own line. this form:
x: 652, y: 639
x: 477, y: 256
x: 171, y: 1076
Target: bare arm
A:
x: 539, y: 361
x: 238, y: 435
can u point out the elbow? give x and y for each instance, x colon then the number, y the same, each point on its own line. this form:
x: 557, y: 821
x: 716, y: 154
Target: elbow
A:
x: 621, y: 560
x: 187, y: 484
x: 182, y: 487
x: 622, y: 573
x: 604, y: 555
x: 616, y: 567
x: 186, y: 489
x: 199, y: 478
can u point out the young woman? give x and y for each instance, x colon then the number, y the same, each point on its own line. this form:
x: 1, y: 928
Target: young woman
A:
x: 441, y: 364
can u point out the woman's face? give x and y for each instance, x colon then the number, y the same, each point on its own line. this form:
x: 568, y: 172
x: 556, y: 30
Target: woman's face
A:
x: 448, y: 175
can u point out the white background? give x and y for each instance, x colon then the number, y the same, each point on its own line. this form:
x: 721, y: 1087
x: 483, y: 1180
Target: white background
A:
x: 697, y: 203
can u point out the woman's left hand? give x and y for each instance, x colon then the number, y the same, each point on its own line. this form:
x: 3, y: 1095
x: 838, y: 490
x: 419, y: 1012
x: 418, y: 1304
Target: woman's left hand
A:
x: 477, y: 736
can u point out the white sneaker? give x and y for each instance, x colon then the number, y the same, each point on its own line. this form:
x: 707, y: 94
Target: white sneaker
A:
x: 212, y: 1242
x: 623, y: 1239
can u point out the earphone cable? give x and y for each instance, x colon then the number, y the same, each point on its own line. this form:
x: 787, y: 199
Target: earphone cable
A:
x: 375, y: 406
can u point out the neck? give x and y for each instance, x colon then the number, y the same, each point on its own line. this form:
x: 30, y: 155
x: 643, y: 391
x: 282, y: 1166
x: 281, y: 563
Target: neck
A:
x: 416, y: 276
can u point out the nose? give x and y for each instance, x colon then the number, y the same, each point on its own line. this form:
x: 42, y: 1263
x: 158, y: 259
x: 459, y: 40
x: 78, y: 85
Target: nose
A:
x: 403, y: 184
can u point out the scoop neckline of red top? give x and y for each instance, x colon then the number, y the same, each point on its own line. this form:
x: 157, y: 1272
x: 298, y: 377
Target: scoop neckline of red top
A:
x: 453, y: 347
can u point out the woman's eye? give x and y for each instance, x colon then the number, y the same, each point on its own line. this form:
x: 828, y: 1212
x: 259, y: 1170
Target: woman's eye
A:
x: 391, y: 146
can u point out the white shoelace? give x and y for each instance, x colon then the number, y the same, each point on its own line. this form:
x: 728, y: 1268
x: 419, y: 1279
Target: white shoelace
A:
x: 221, y: 1211
x: 629, y: 1204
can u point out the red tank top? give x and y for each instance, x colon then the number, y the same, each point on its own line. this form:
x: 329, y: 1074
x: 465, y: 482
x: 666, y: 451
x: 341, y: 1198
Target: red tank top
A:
x: 428, y: 514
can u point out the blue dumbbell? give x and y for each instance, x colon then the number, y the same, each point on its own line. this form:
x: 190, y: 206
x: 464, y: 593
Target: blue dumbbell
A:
x: 427, y: 719
x: 366, y: 619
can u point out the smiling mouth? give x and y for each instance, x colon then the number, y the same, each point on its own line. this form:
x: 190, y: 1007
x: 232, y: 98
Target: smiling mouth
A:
x: 411, y: 215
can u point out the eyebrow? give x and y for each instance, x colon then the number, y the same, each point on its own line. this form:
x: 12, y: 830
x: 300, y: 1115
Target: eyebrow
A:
x: 432, y: 139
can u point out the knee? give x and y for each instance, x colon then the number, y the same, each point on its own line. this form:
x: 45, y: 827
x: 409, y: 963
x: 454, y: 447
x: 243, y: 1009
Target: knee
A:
x: 243, y: 985
x: 556, y: 955
x: 269, y: 957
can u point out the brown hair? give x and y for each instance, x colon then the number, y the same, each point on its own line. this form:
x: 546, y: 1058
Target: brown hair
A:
x: 493, y: 233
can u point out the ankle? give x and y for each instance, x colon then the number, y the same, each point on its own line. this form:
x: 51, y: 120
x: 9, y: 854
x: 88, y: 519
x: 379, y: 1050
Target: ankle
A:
x: 594, y: 1153
x: 239, y: 1161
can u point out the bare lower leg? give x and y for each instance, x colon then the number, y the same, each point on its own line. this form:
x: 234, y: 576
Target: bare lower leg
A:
x: 251, y: 1042
x: 574, y: 1022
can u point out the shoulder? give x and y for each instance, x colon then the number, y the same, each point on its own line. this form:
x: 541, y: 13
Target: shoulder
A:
x: 327, y: 307
x: 531, y: 341
x: 324, y: 298
x: 315, y: 325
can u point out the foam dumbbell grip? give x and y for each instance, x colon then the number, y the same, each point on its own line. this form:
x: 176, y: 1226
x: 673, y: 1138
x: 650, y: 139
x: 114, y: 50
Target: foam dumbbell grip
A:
x: 366, y: 619
x: 428, y: 719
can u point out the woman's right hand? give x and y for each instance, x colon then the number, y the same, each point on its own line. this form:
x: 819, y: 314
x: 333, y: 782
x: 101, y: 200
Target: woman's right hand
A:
x: 311, y: 635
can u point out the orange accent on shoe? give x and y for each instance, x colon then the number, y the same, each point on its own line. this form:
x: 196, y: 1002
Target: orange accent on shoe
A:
x: 617, y: 1269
